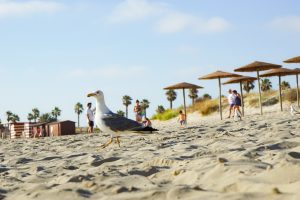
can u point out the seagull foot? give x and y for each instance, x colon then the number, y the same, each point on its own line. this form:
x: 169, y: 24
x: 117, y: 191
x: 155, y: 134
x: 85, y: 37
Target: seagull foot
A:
x: 107, y: 143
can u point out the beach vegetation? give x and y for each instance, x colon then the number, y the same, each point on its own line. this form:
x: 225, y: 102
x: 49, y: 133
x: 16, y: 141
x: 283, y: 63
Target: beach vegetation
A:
x: 193, y: 94
x: 127, y: 100
x: 248, y: 86
x: 121, y: 113
x: 266, y: 84
x: 166, y: 115
x: 285, y: 85
x: 171, y: 96
x: 160, y: 109
x: 30, y: 117
x: 56, y: 112
x: 144, y: 105
x: 78, y: 108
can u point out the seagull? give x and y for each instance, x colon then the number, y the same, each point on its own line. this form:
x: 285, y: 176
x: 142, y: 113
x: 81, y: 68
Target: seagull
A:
x: 112, y: 123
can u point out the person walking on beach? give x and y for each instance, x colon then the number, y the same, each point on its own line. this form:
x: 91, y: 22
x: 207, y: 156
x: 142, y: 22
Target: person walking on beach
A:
x: 181, y: 118
x: 138, y: 111
x: 230, y: 102
x: 237, y: 104
x: 90, y: 118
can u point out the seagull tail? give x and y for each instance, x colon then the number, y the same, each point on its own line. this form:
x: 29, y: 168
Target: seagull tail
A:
x: 147, y: 128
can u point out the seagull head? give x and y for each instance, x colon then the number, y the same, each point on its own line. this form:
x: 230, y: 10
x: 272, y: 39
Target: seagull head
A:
x: 98, y: 95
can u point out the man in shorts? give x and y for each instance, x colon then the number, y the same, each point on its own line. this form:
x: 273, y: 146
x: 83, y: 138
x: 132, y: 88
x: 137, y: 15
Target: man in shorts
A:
x: 231, y: 98
x: 90, y: 118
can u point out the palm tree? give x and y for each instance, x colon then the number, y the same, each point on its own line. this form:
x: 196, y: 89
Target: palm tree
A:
x: 36, y: 114
x: 126, y: 102
x: 285, y: 85
x: 15, y: 118
x: 249, y: 85
x: 171, y: 96
x: 78, y: 110
x: 30, y: 117
x: 121, y: 113
x: 144, y: 105
x: 9, y: 115
x: 193, y: 94
x: 160, y: 109
x: 266, y: 85
x: 47, y: 117
x: 56, y: 112
x: 206, y: 96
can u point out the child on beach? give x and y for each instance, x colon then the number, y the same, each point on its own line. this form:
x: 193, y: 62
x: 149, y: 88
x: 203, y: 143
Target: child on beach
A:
x: 181, y: 118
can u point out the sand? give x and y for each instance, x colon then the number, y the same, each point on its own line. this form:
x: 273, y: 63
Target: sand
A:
x: 257, y: 158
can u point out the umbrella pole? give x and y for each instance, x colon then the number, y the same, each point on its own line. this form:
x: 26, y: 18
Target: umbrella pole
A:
x: 297, y: 91
x: 220, y: 99
x: 184, y: 105
x: 280, y: 98
x: 242, y: 98
x: 259, y: 89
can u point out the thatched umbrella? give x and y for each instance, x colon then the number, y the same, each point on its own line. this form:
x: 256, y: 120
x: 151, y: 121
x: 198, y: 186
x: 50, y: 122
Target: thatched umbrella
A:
x: 218, y: 75
x: 240, y: 80
x: 297, y: 72
x: 183, y: 86
x: 257, y: 66
x: 279, y: 72
x: 293, y: 60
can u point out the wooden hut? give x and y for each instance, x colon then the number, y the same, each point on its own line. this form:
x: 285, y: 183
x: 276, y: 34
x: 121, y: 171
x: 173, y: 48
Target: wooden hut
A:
x: 61, y: 128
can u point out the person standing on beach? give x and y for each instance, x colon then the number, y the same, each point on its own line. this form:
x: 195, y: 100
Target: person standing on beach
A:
x: 230, y: 102
x: 138, y: 111
x: 90, y: 118
x: 237, y: 104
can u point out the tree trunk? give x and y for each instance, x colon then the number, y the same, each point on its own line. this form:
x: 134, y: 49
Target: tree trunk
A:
x: 193, y: 101
x: 78, y: 120
x: 171, y: 105
x: 126, y: 111
x: 145, y: 113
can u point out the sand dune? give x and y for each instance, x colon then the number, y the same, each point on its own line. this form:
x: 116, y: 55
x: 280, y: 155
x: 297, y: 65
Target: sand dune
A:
x: 257, y: 158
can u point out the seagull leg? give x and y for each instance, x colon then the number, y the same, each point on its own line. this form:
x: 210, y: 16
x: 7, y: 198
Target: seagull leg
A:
x: 107, y: 143
x: 118, y: 141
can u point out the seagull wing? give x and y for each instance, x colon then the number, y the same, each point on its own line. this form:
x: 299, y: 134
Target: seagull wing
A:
x: 118, y: 123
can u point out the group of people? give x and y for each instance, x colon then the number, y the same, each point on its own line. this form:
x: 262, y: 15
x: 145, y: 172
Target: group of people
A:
x: 235, y: 102
x: 140, y: 117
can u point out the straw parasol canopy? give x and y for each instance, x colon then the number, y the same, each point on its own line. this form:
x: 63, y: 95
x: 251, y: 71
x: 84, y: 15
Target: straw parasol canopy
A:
x: 257, y: 66
x: 218, y: 75
x: 183, y: 86
x: 240, y: 80
x: 279, y: 72
x: 293, y: 60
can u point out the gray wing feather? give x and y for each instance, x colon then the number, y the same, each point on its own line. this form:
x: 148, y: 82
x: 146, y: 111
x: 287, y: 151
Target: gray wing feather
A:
x: 119, y: 123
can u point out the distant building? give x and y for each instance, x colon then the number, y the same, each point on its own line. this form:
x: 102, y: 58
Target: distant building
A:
x: 31, y: 130
x: 61, y: 128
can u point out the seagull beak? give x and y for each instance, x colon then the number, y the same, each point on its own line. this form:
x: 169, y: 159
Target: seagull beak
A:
x: 91, y: 94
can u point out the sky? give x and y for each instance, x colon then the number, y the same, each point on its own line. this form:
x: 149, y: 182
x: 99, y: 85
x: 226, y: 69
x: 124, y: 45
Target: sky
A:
x: 54, y: 52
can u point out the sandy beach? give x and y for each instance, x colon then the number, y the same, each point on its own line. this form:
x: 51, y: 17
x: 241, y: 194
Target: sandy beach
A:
x: 257, y: 158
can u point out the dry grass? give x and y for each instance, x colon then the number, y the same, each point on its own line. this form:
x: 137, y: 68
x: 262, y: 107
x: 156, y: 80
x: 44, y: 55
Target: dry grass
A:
x: 209, y: 106
x: 205, y: 107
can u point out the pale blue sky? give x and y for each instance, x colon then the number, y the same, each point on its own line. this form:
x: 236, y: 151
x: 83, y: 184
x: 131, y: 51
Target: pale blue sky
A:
x: 52, y: 53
